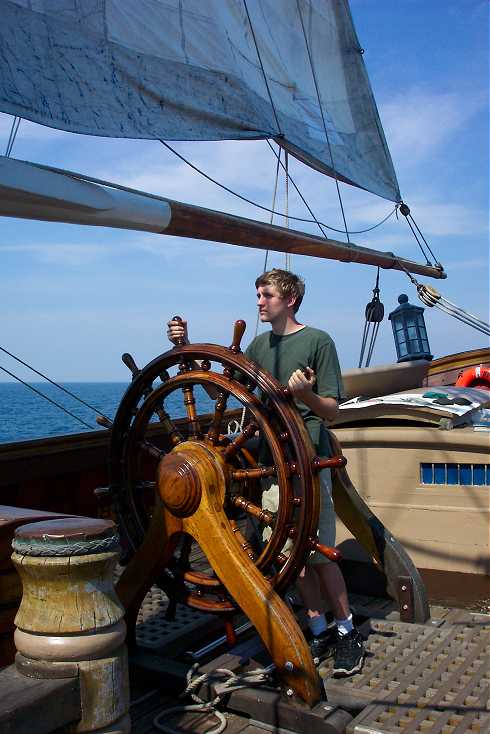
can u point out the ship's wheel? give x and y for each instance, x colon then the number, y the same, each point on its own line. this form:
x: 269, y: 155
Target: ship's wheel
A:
x: 174, y: 489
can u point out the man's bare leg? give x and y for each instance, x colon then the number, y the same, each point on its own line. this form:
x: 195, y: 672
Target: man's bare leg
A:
x: 326, y: 577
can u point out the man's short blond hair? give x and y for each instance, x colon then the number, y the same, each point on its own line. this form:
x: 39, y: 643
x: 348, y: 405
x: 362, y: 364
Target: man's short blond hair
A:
x: 288, y: 284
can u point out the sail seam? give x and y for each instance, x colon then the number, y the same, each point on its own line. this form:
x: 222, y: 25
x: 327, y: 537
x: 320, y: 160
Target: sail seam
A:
x: 262, y: 67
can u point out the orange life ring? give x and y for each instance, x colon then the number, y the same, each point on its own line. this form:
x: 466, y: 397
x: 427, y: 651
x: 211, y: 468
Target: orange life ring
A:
x: 475, y: 377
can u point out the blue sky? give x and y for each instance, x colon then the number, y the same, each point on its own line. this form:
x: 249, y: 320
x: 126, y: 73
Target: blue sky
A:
x: 74, y: 298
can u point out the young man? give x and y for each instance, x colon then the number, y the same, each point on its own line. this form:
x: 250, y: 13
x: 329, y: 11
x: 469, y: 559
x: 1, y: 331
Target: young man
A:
x: 305, y: 359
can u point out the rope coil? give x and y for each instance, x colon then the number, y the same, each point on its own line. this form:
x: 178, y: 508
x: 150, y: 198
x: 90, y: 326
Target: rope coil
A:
x: 230, y: 682
x: 65, y: 547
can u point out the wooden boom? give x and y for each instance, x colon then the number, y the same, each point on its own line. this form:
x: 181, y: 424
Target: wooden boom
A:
x: 38, y: 192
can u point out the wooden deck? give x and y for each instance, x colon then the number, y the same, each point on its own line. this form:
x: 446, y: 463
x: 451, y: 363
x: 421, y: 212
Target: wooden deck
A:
x: 417, y: 679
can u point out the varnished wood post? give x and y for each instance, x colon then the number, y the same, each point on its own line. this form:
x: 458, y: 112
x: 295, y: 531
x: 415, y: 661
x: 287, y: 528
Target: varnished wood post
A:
x: 70, y: 620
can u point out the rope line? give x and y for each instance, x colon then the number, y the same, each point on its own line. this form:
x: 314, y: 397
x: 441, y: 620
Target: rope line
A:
x: 266, y: 258
x: 431, y: 297
x: 13, y: 134
x: 425, y: 241
x: 231, y: 682
x: 288, y: 257
x: 428, y: 262
x: 52, y: 549
x: 374, y: 316
x: 60, y: 387
x: 323, y: 117
x: 321, y: 224
x: 38, y: 392
x: 230, y: 191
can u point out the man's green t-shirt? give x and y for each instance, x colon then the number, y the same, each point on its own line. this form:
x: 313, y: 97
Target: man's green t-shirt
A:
x: 308, y: 347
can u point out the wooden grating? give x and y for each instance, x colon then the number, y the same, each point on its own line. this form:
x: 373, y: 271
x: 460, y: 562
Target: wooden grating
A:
x: 419, y: 679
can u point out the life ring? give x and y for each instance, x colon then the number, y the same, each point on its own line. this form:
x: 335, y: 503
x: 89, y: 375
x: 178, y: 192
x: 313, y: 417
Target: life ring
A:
x: 475, y: 377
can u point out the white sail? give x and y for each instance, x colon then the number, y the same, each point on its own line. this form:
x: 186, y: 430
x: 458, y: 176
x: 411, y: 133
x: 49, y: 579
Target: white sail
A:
x: 200, y: 70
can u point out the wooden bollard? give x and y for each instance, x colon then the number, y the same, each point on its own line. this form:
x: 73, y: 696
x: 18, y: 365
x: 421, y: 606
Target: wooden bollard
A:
x: 71, y: 617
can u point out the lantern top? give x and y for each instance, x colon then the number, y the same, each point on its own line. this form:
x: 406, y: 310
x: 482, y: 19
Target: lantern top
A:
x: 405, y: 306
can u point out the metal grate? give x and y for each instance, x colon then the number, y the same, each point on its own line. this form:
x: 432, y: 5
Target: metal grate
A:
x: 419, y: 680
x: 153, y: 630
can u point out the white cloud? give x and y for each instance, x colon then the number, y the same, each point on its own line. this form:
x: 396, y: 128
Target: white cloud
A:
x: 418, y: 120
x: 449, y: 219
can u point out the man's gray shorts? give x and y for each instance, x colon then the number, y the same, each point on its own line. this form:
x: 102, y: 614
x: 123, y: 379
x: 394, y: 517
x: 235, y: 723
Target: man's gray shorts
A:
x: 326, y: 524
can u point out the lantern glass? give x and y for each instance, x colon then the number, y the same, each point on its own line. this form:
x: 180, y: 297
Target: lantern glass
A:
x: 409, y: 331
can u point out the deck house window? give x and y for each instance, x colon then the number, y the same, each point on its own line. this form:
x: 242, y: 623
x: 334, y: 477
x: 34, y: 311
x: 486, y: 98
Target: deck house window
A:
x: 477, y: 475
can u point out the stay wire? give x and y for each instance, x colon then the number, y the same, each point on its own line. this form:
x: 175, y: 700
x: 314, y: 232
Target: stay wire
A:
x: 314, y: 219
x: 298, y: 191
x: 323, y: 118
x: 372, y: 343
x: 53, y: 402
x: 288, y: 258
x: 446, y: 306
x: 266, y: 258
x: 425, y: 241
x: 428, y: 262
x: 60, y: 387
x: 13, y: 134
x: 227, y: 189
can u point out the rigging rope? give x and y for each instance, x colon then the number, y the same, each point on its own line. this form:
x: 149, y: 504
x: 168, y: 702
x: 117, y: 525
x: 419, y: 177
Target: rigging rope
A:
x: 228, y: 190
x: 405, y: 210
x: 13, y: 134
x: 60, y: 387
x: 374, y: 315
x: 231, y: 682
x: 38, y: 392
x: 431, y: 297
x: 321, y: 224
x: 288, y: 257
x: 236, y: 426
x: 323, y: 118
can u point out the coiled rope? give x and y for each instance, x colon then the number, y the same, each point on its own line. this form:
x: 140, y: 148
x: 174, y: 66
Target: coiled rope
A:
x: 230, y: 682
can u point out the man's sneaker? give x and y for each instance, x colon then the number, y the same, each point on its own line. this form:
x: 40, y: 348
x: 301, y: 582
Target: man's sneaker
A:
x: 349, y: 654
x: 323, y: 645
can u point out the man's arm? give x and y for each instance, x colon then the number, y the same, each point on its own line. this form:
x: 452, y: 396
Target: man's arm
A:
x: 301, y: 387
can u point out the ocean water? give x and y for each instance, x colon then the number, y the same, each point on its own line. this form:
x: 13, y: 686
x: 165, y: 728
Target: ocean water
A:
x: 26, y: 415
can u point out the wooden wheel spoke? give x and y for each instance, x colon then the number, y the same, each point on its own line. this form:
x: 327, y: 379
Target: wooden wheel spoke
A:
x: 244, y: 544
x: 242, y: 438
x: 259, y: 472
x: 263, y: 516
x: 219, y: 409
x: 168, y: 425
x: 151, y: 449
x: 190, y: 407
x: 144, y: 485
x: 334, y: 462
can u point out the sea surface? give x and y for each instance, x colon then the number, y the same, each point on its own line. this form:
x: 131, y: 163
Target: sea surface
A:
x: 26, y: 415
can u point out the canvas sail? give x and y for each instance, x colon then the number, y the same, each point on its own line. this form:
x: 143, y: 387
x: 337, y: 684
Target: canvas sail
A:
x: 200, y: 70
